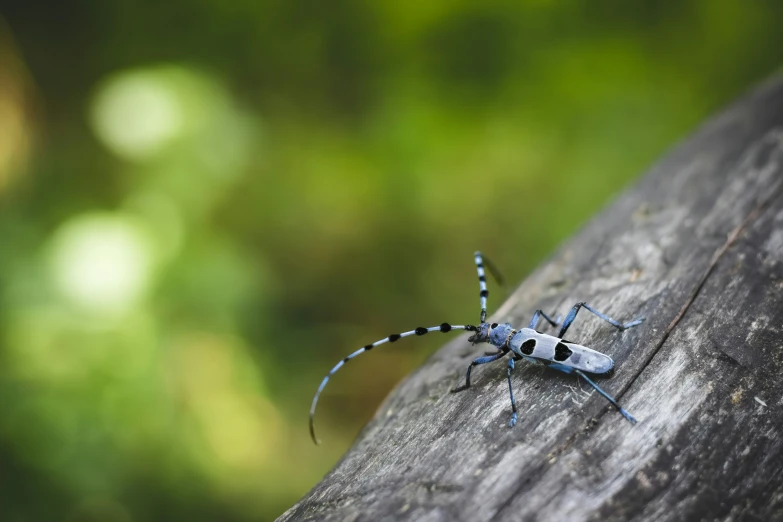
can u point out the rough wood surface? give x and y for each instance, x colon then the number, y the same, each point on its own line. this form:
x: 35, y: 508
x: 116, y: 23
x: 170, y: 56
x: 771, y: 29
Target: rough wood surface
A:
x: 696, y: 246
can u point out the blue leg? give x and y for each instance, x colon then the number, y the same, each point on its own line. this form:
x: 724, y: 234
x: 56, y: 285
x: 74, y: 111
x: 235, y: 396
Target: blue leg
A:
x: 572, y: 315
x: 624, y: 413
x: 568, y: 369
x: 513, y: 420
x: 480, y: 360
x: 537, y: 318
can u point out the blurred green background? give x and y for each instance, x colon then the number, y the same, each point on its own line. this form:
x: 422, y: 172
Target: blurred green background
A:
x: 204, y: 205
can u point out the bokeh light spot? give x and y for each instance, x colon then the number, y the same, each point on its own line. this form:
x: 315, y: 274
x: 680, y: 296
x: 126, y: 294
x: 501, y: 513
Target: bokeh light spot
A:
x: 215, y: 378
x: 137, y: 113
x: 102, y: 262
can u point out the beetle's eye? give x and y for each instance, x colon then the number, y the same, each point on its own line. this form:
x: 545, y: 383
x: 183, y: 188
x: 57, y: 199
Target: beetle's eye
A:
x: 493, y: 325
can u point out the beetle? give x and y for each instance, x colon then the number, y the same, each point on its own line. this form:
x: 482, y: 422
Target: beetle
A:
x: 524, y: 344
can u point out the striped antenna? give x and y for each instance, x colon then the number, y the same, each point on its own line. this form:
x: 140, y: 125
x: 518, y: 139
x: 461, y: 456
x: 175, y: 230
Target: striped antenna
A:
x: 484, y: 293
x: 482, y: 276
x: 445, y: 327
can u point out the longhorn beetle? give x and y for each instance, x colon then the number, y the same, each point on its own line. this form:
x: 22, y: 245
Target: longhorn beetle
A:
x: 526, y: 343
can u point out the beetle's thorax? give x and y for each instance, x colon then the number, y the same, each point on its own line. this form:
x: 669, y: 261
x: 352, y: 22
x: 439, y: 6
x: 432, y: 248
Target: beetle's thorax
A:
x: 499, y: 334
x: 493, y: 333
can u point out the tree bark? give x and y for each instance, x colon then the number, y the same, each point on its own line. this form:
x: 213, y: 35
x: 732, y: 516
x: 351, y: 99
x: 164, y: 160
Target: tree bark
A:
x: 696, y: 246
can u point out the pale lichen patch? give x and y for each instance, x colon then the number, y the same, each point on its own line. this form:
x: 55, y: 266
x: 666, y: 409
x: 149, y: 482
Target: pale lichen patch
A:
x: 736, y: 397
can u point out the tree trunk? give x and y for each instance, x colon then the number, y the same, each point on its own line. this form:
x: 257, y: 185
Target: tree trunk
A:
x: 697, y: 248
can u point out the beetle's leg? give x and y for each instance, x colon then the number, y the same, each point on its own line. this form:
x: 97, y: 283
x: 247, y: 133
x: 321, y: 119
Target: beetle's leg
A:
x: 568, y: 369
x: 608, y: 397
x: 537, y: 318
x: 476, y: 362
x: 572, y: 315
x: 513, y: 420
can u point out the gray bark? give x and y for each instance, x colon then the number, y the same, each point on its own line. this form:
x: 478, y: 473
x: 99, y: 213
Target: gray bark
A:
x: 696, y: 246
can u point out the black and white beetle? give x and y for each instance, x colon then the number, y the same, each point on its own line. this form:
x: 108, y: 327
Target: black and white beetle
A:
x: 527, y: 343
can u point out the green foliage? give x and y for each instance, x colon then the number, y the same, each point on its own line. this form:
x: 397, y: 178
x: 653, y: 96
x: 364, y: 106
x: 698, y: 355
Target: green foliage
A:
x: 205, y: 205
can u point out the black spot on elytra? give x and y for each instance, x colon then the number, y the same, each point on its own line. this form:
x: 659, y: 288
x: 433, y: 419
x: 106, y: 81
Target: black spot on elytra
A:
x: 393, y: 337
x: 420, y: 330
x: 562, y: 352
x: 528, y: 346
x: 493, y: 325
x: 445, y: 327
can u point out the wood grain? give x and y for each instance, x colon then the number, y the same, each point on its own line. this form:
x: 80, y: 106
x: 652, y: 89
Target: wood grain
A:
x: 696, y: 246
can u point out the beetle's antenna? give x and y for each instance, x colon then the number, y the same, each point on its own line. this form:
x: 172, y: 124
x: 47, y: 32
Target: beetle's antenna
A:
x: 484, y: 293
x: 445, y: 327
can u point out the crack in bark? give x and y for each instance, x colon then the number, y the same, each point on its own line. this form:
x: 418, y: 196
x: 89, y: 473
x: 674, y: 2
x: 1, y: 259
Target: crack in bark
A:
x: 731, y: 239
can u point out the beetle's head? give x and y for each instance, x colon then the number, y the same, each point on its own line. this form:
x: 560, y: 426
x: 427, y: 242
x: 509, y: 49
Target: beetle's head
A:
x: 483, y: 331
